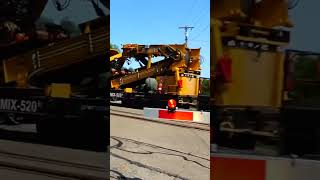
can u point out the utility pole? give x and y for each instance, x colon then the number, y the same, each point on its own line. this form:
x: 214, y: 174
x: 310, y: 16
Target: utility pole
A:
x: 186, y: 28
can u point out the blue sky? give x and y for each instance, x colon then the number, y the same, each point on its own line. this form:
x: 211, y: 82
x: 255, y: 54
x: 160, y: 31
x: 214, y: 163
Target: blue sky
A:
x: 158, y: 22
x: 305, y: 33
x: 155, y: 22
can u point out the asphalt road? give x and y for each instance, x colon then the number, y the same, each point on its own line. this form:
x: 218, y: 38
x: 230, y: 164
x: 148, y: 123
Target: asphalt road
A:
x: 148, y: 150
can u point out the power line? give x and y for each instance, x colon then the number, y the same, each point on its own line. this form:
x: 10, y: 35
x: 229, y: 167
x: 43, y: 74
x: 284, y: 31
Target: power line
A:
x: 205, y: 28
x: 199, y: 40
x: 196, y: 20
x: 192, y: 8
x: 186, y: 28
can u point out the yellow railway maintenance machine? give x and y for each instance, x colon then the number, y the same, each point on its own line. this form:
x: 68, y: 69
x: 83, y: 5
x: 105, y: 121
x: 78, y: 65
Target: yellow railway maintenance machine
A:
x: 61, y: 87
x: 45, y: 85
x: 176, y: 74
x: 249, y: 110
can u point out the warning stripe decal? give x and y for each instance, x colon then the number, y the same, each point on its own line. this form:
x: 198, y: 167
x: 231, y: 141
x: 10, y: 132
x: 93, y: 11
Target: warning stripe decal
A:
x: 178, y: 115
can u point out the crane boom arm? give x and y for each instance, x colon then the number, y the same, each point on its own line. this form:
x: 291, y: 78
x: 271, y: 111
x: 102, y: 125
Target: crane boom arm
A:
x: 172, y: 53
x: 62, y: 54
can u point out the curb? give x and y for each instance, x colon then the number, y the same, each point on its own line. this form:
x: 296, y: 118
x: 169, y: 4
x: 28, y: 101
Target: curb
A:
x: 182, y: 115
x: 178, y: 123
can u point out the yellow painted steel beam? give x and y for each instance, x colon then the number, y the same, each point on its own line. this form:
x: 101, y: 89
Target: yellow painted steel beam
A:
x: 217, y: 42
x: 114, y: 57
x: 279, y: 77
x: 177, y: 73
x: 149, y: 61
x: 197, y: 86
x: 194, y: 59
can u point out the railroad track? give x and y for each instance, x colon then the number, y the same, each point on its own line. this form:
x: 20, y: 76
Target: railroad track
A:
x: 140, y: 116
x: 133, y: 107
x: 28, y: 164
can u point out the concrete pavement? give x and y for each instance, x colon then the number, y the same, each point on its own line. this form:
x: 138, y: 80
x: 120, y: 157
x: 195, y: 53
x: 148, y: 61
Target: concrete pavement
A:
x: 148, y: 150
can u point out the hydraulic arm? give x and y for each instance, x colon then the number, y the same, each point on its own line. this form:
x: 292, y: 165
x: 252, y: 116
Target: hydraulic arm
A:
x: 144, y: 54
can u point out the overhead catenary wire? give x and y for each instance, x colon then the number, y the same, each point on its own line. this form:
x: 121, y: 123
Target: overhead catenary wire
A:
x: 190, y: 12
x: 196, y: 22
x: 197, y: 19
x: 199, y: 40
x: 200, y: 32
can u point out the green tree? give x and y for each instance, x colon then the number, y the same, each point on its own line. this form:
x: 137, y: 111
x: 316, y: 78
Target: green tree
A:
x: 114, y: 46
x: 305, y: 69
x: 205, y: 87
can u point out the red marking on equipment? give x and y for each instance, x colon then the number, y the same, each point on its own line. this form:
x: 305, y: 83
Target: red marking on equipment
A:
x: 236, y: 168
x: 178, y: 115
x: 224, y: 70
x: 180, y: 83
